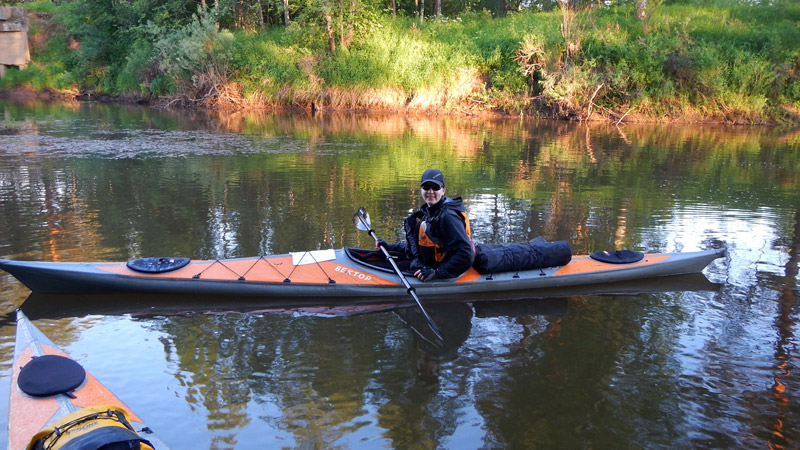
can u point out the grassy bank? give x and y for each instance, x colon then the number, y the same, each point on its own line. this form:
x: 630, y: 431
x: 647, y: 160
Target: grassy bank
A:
x: 692, y: 61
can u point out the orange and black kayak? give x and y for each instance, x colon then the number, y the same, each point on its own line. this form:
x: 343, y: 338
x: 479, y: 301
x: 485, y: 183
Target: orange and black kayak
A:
x: 55, y: 404
x: 346, y: 274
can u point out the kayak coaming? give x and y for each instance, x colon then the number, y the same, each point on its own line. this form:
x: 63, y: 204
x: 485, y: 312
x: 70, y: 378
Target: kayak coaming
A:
x: 342, y: 277
x: 28, y: 415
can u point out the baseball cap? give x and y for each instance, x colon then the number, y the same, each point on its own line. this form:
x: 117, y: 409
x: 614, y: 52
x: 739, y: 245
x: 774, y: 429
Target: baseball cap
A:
x: 432, y: 176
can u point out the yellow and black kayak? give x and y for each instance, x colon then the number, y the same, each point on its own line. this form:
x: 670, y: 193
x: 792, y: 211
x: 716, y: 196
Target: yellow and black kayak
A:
x: 347, y: 274
x: 55, y: 404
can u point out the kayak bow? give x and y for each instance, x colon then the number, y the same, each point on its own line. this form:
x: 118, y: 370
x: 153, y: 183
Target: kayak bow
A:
x: 54, y: 401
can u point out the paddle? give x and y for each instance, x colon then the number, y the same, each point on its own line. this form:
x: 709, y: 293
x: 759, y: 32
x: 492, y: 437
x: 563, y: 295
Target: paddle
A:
x: 362, y: 222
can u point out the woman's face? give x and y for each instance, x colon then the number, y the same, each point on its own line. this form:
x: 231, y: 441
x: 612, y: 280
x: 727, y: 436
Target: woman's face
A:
x: 431, y: 193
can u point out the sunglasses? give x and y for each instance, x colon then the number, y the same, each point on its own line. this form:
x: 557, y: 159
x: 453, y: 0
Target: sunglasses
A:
x: 431, y: 187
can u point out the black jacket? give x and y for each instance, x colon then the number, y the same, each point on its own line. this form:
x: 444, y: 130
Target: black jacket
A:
x: 446, y: 227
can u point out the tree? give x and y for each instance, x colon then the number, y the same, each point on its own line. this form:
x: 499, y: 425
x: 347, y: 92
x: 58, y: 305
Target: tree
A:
x: 571, y: 30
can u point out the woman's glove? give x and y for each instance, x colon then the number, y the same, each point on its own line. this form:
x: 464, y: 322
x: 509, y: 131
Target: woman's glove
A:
x: 425, y: 273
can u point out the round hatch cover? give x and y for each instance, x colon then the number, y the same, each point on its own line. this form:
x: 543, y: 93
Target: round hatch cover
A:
x: 49, y: 375
x: 157, y: 265
x: 618, y: 256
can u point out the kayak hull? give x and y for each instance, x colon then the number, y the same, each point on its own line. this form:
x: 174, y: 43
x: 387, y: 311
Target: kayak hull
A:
x: 28, y: 415
x: 338, y: 277
x: 54, y: 306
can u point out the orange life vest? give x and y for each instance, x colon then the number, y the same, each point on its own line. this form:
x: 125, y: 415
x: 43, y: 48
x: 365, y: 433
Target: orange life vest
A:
x: 429, y: 243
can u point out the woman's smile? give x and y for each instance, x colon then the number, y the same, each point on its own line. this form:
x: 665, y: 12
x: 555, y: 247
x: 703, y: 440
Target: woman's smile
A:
x: 432, y: 193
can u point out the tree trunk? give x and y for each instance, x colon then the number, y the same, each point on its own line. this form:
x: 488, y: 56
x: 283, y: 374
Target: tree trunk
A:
x: 437, y: 8
x: 394, y: 8
x: 421, y: 11
x: 348, y: 38
x: 329, y: 26
x: 570, y: 31
x: 260, y: 12
x: 342, y: 19
x: 286, y: 12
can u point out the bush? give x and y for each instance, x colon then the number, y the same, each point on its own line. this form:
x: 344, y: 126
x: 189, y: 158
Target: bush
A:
x: 137, y: 74
x: 194, y: 50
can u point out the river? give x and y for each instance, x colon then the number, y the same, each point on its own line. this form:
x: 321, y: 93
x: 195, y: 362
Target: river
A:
x: 679, y: 367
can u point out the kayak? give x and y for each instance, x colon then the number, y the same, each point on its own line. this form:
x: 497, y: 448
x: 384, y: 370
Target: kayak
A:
x: 347, y: 274
x: 54, y: 403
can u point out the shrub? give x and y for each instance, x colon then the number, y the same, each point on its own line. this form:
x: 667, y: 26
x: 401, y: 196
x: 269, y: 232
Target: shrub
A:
x: 196, y: 57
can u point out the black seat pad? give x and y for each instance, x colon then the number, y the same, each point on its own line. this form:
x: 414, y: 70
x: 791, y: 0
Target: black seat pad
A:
x: 50, y: 375
x: 157, y: 265
x: 618, y: 256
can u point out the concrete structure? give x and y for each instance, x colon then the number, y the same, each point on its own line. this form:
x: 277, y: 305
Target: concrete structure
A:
x: 13, y: 38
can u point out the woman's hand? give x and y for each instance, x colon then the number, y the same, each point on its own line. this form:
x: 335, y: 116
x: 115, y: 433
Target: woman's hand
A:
x: 425, y: 274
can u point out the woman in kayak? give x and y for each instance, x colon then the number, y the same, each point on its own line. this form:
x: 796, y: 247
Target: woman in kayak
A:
x: 438, y: 235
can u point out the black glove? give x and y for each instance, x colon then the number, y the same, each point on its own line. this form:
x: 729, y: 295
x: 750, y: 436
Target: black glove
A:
x: 382, y: 243
x: 416, y: 265
x: 428, y: 273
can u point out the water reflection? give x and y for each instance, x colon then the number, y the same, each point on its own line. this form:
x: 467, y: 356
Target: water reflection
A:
x: 699, y: 364
x: 453, y: 320
x: 257, y: 196
x: 784, y: 386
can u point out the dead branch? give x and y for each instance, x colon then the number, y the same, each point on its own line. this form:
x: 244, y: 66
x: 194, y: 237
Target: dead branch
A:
x: 623, y: 116
x: 591, y: 101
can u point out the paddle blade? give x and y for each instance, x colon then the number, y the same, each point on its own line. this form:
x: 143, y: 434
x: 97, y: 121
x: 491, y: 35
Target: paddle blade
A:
x: 361, y: 219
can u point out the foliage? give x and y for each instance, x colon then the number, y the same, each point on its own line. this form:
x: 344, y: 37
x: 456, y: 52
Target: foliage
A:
x: 41, y: 78
x: 192, y: 51
x: 723, y: 59
x: 138, y: 72
x: 265, y: 66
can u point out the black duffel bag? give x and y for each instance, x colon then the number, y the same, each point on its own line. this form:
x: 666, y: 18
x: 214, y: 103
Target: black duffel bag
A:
x: 536, y: 254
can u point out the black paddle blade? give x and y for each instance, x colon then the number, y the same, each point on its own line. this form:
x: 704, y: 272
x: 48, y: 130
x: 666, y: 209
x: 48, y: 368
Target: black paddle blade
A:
x: 361, y: 219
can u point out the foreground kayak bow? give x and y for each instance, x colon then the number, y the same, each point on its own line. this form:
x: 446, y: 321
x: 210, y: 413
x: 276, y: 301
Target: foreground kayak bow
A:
x: 54, y: 403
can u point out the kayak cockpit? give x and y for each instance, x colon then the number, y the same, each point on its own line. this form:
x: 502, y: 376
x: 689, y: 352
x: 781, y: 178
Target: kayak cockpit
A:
x: 374, y: 259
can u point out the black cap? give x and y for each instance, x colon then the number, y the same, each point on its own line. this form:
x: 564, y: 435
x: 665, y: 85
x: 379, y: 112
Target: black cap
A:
x: 432, y: 176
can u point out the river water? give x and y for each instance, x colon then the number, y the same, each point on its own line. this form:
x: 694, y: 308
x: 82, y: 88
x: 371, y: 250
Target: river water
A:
x: 706, y: 364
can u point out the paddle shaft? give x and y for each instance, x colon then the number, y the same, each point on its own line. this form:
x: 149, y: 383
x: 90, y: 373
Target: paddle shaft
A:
x: 410, y: 289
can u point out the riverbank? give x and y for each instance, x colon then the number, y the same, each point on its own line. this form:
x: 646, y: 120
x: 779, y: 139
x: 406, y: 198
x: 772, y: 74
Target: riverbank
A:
x: 719, y: 62
x: 790, y: 117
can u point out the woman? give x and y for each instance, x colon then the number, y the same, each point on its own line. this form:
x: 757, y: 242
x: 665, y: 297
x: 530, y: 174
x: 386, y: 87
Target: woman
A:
x: 438, y: 235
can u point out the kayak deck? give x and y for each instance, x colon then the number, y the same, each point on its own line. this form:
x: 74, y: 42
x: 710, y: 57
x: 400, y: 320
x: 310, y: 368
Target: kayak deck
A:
x: 332, y: 274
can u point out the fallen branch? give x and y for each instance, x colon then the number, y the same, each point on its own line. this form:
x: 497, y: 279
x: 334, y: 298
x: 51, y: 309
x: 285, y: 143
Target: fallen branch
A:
x: 591, y: 101
x: 623, y: 116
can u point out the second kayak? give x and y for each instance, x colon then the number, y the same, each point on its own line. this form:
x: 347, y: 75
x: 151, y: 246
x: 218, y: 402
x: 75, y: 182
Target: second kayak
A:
x: 55, y: 404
